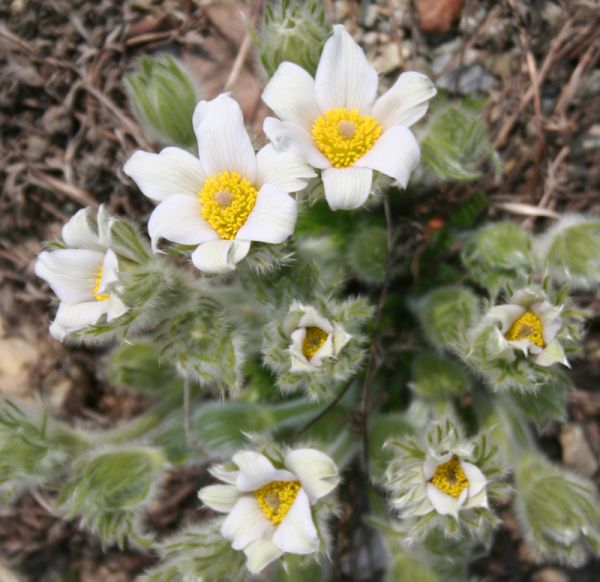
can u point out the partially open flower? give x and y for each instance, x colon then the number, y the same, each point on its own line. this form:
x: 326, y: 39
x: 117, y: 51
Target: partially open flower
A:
x: 81, y: 275
x: 228, y: 197
x: 337, y: 125
x: 453, y: 484
x: 313, y: 338
x: 270, y: 509
x: 529, y: 323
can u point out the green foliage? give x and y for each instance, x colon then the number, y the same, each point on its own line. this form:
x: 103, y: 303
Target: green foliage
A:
x: 138, y: 366
x: 292, y: 31
x: 367, y: 255
x: 199, y: 553
x: 436, y: 377
x: 558, y: 511
x: 498, y: 255
x: 457, y: 143
x: 33, y: 450
x: 163, y: 96
x: 109, y: 489
x: 127, y: 242
x: 570, y: 251
x: 445, y: 315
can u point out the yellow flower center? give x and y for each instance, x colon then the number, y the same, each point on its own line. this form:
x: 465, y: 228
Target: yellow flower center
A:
x: 313, y: 341
x: 450, y: 478
x: 344, y: 135
x: 528, y: 326
x: 99, y: 296
x: 276, y: 498
x: 227, y: 200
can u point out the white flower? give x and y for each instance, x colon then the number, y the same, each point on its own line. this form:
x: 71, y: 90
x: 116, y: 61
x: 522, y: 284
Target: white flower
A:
x: 80, y: 275
x: 337, y: 125
x: 228, y: 197
x: 269, y: 509
x: 529, y: 323
x: 452, y: 484
x: 313, y: 338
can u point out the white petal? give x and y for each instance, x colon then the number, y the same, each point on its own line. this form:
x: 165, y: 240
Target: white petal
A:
x: 506, y: 315
x: 340, y: 338
x: 114, y: 307
x: 344, y: 78
x: 347, y: 188
x: 70, y: 272
x: 272, y: 219
x: 479, y: 500
x: 550, y: 318
x: 300, y: 364
x: 325, y: 351
x: 110, y: 268
x: 179, y: 219
x: 396, y: 154
x: 285, y: 170
x: 256, y: 470
x: 429, y: 468
x: 295, y: 139
x: 219, y: 256
x: 70, y: 318
x: 172, y: 171
x: 298, y: 336
x: 316, y: 471
x: 291, y: 95
x: 223, y: 141
x: 260, y: 554
x: 246, y: 523
x: 81, y: 231
x: 297, y: 533
x: 444, y: 504
x: 223, y: 473
x: 312, y: 318
x: 475, y: 477
x: 219, y: 497
x: 405, y: 102
x: 552, y: 354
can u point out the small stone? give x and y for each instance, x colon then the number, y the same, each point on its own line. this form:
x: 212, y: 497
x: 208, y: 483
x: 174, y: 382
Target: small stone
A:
x: 576, y: 451
x: 370, y: 15
x: 370, y: 38
x: 467, y: 80
x: 388, y: 59
x: 549, y: 575
x: 437, y: 16
x: 16, y: 360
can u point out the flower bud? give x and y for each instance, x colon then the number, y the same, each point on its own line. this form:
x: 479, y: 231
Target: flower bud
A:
x: 292, y: 31
x: 163, y: 97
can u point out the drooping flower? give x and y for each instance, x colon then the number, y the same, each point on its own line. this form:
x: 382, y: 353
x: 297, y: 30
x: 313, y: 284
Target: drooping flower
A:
x: 227, y: 197
x: 270, y: 509
x: 81, y: 274
x: 529, y: 323
x: 337, y: 125
x: 313, y: 338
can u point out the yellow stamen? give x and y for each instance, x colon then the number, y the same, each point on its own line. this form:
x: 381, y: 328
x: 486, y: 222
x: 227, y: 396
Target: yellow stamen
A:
x: 276, y: 498
x: 528, y: 326
x: 313, y: 341
x: 344, y: 135
x: 450, y: 478
x: 227, y: 200
x: 99, y: 296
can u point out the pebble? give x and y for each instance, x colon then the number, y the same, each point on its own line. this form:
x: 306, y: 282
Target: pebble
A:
x: 549, y: 575
x: 388, y: 59
x: 16, y: 360
x: 437, y: 16
x: 576, y: 451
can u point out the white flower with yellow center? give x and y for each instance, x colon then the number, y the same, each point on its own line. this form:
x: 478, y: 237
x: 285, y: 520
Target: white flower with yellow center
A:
x: 529, y: 323
x: 227, y: 197
x: 313, y: 338
x: 270, y: 509
x: 452, y: 484
x: 337, y: 125
x: 80, y: 275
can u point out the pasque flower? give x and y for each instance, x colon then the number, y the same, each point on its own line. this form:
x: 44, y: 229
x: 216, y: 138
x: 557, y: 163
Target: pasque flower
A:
x: 81, y: 274
x: 313, y: 338
x: 337, y: 125
x: 270, y: 509
x: 227, y: 197
x: 529, y: 323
